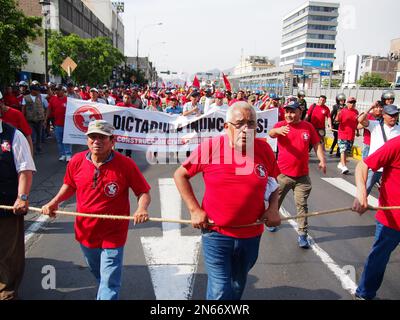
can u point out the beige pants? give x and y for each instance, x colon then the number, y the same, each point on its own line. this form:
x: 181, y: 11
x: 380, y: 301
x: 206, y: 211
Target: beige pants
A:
x: 12, y: 256
x: 301, y: 187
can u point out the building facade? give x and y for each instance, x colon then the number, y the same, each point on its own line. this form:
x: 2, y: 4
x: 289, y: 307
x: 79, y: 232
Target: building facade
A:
x: 394, y: 55
x: 309, y: 32
x: 86, y: 18
x: 252, y: 64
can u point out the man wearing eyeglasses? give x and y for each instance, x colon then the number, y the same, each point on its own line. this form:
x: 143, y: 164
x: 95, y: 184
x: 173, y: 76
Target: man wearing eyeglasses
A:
x: 381, y: 132
x: 101, y: 179
x: 348, y: 122
x: 294, y: 138
x: 235, y: 168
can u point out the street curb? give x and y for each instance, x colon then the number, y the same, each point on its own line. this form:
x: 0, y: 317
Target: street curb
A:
x: 356, y: 152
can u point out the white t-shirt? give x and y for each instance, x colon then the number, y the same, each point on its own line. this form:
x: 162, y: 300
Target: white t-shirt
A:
x: 22, y: 153
x: 377, y: 140
x: 189, y: 106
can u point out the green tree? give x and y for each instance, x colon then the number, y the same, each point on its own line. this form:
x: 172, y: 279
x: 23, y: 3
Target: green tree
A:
x: 95, y: 57
x: 373, y: 81
x: 16, y: 30
x: 334, y: 84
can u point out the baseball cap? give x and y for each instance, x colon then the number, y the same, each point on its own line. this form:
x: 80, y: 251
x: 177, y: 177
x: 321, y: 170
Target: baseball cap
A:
x: 292, y: 105
x: 101, y: 127
x: 391, y: 109
x: 173, y: 97
x: 351, y: 99
x: 35, y: 87
x: 94, y: 89
x: 195, y: 94
x: 219, y: 95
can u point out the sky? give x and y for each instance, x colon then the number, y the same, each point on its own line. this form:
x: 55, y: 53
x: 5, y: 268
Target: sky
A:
x: 201, y: 35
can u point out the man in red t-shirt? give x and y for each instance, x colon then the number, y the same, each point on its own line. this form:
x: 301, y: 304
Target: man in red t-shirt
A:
x: 56, y: 110
x: 127, y: 102
x: 375, y: 112
x: 387, y: 235
x: 317, y: 115
x: 235, y: 169
x: 348, y: 122
x: 101, y: 179
x: 294, y: 138
x: 15, y: 118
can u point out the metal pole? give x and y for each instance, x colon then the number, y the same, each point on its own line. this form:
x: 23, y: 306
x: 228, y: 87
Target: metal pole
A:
x: 46, y: 54
x: 137, y: 55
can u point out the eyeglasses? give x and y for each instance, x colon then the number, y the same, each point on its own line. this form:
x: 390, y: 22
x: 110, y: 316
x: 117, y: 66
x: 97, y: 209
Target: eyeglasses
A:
x: 239, y: 125
x: 96, y: 175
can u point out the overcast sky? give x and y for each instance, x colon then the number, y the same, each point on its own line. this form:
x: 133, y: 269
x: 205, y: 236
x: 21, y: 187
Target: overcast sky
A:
x: 201, y: 35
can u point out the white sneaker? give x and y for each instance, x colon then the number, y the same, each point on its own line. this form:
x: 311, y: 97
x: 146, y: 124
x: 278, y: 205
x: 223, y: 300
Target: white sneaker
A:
x: 68, y: 158
x: 62, y: 158
x: 340, y: 166
x: 345, y: 170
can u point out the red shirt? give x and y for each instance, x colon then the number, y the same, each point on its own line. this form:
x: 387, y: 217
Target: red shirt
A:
x: 293, y: 149
x: 110, y: 195
x: 367, y: 133
x: 347, y: 124
x: 84, y: 95
x: 58, y: 107
x: 122, y: 104
x: 234, y: 185
x: 318, y: 116
x: 12, y: 101
x: 388, y: 157
x: 17, y: 120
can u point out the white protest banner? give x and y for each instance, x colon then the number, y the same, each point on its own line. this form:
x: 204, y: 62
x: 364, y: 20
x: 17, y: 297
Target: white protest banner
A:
x: 144, y: 130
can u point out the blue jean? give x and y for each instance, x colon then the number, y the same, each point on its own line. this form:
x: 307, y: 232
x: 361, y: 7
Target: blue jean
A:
x: 386, y: 240
x: 228, y: 261
x: 63, y: 148
x: 365, y: 151
x: 373, y: 178
x: 106, y: 266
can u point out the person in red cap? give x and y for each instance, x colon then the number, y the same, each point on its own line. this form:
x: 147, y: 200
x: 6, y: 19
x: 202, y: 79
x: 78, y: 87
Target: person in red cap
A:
x: 218, y: 104
x: 348, y: 122
x: 154, y: 103
x: 317, y: 115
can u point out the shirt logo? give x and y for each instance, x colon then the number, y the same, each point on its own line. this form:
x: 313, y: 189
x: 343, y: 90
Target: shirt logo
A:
x: 111, y: 189
x: 85, y: 114
x: 260, y: 171
x: 5, y: 146
x: 306, y: 136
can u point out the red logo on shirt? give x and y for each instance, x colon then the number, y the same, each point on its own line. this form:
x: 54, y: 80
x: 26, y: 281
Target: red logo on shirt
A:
x: 111, y: 189
x: 83, y: 115
x: 306, y: 136
x: 5, y: 146
x: 260, y: 171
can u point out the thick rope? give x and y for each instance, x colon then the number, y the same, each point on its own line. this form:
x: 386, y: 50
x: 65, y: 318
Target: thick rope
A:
x: 115, y: 217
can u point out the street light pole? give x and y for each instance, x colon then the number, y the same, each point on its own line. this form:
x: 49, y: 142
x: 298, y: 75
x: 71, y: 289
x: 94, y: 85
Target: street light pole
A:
x: 46, y: 11
x: 137, y: 42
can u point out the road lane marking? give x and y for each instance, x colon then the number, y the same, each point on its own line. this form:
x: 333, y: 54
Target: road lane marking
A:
x: 346, y: 282
x: 350, y: 189
x: 172, y: 259
x: 35, y: 227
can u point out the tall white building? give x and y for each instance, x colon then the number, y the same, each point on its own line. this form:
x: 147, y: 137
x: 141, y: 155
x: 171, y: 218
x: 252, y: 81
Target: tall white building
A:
x: 309, y: 32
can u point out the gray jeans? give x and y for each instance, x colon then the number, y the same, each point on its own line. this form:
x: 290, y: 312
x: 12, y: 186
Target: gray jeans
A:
x: 301, y: 187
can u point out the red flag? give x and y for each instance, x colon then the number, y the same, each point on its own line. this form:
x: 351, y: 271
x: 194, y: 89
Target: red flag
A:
x: 196, y: 82
x: 226, y: 81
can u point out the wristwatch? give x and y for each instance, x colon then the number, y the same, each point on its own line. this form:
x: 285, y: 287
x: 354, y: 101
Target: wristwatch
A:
x: 23, y: 197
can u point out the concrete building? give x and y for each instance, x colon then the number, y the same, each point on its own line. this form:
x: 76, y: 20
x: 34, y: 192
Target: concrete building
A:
x: 309, y: 32
x: 145, y: 66
x: 394, y: 55
x: 252, y: 64
x: 86, y: 18
x: 359, y: 65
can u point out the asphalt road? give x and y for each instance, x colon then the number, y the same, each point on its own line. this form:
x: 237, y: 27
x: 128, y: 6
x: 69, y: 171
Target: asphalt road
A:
x: 283, y: 270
